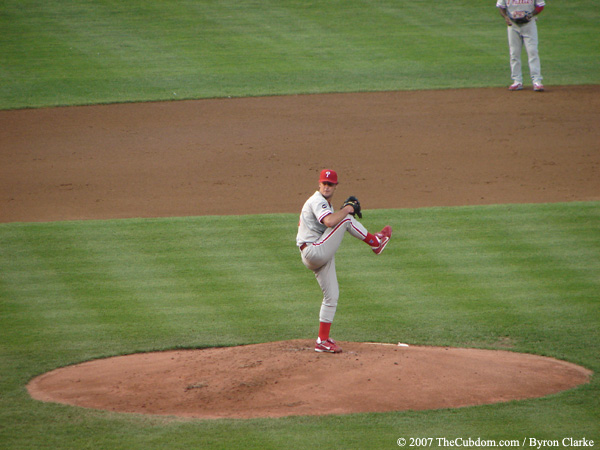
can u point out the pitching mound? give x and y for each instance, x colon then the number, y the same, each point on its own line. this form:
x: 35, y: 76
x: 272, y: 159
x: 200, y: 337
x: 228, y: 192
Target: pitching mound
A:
x: 289, y: 378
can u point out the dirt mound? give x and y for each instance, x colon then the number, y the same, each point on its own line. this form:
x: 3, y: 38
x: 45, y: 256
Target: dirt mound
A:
x: 290, y: 378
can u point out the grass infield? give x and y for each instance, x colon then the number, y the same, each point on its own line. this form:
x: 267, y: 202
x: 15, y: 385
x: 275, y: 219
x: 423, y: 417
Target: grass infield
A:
x: 518, y: 277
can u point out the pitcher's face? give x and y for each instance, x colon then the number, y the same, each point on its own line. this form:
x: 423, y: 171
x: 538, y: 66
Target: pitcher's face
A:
x: 327, y: 189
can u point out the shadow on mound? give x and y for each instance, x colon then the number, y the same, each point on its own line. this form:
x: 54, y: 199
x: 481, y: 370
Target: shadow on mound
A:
x: 288, y: 378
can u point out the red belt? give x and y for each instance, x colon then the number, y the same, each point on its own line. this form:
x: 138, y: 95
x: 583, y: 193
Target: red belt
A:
x: 303, y: 246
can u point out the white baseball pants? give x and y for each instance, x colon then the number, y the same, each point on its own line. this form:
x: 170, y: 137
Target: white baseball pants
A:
x: 519, y: 35
x: 320, y: 258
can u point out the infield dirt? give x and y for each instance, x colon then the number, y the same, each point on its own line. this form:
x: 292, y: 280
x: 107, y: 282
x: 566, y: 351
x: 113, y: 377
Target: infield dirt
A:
x: 263, y: 155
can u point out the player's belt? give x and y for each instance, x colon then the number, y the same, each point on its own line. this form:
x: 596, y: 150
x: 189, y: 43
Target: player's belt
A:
x: 303, y: 246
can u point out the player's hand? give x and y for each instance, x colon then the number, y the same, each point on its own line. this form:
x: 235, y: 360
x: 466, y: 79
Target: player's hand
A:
x: 349, y: 209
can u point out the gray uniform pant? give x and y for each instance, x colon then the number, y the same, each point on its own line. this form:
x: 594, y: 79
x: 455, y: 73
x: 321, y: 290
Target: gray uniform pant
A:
x: 320, y: 258
x: 519, y: 35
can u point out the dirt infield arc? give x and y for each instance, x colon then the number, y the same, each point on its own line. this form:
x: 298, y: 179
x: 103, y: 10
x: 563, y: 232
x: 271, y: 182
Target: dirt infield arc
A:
x: 261, y: 155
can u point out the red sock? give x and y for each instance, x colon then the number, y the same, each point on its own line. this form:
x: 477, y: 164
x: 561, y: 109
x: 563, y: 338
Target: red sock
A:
x: 371, y: 240
x: 324, y: 328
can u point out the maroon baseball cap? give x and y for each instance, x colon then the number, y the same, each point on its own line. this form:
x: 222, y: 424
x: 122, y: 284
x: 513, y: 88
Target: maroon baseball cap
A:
x: 328, y: 175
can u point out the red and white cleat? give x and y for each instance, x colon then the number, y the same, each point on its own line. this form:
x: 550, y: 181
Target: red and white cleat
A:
x: 516, y: 86
x: 383, y: 237
x: 327, y: 346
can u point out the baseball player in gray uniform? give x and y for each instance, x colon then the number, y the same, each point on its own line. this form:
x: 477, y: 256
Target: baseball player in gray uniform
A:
x: 320, y: 234
x: 519, y: 15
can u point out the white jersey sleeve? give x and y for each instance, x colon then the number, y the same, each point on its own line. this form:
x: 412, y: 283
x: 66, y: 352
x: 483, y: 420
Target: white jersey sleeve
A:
x: 310, y: 226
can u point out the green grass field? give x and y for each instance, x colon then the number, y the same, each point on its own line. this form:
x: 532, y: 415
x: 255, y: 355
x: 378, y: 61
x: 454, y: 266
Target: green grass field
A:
x: 80, y: 52
x: 480, y: 277
x: 527, y: 276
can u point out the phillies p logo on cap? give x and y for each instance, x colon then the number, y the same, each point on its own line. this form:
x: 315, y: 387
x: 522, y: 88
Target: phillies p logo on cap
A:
x: 328, y: 175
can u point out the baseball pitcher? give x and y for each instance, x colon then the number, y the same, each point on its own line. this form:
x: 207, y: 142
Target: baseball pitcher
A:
x: 320, y: 234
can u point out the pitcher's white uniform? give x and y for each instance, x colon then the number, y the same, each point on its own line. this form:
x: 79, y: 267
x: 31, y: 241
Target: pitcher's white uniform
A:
x: 321, y: 245
x: 320, y: 234
x: 523, y: 34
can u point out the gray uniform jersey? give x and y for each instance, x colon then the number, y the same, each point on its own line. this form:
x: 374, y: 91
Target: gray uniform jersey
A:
x: 310, y: 227
x: 519, y: 8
